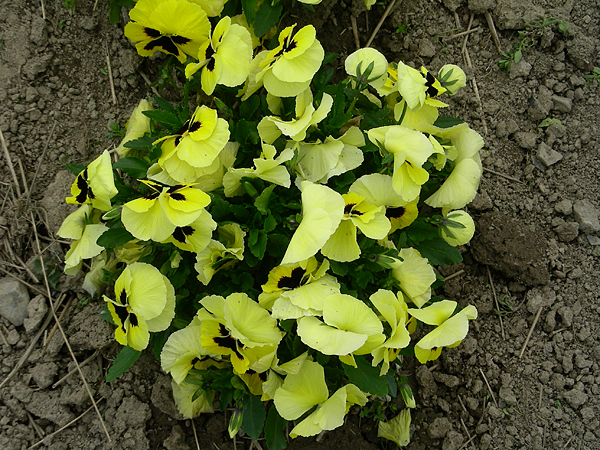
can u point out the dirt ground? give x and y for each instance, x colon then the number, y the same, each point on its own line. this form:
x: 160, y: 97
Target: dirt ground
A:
x: 526, y: 377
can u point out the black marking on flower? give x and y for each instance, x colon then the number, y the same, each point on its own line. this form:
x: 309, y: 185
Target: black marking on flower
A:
x: 348, y: 208
x: 429, y: 82
x: 181, y: 233
x: 195, y: 126
x: 122, y: 314
x: 151, y: 32
x: 133, y: 320
x: 177, y: 140
x: 293, y: 281
x: 226, y: 341
x: 395, y: 213
x: 165, y: 43
x: 194, y: 361
x: 85, y: 191
x: 180, y: 40
x: 173, y: 189
x: 178, y: 196
x: 211, y: 65
x: 123, y: 297
x: 183, y: 129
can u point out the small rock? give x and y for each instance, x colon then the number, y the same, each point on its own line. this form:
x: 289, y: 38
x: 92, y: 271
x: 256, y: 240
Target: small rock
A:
x: 426, y: 382
x: 481, y: 6
x: 537, y: 298
x: 562, y: 104
x: 557, y: 130
x: 46, y: 405
x: 550, y: 323
x: 88, y: 23
x: 14, y: 299
x: 547, y: 155
x: 593, y: 240
x: 39, y: 31
x: 566, y: 231
x: 526, y: 139
x: 449, y: 380
x: 44, y: 374
x: 541, y: 105
x: 13, y: 337
x: 177, y: 440
x: 439, y: 428
x: 564, y: 207
x: 566, y: 315
x: 482, y: 201
x: 586, y: 216
x: 508, y: 396
x: 36, y: 65
x: 37, y: 310
x: 520, y: 69
x: 575, y: 398
x: 162, y: 397
x: 133, y: 413
x: 452, y: 5
x: 453, y: 441
x: 426, y: 48
x: 515, y: 14
x: 581, y: 51
x: 495, y: 413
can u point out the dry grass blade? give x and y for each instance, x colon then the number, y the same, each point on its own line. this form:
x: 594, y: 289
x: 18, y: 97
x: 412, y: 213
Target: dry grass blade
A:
x: 454, y: 275
x: 53, y: 330
x: 463, y: 33
x: 535, y: 321
x: 490, y: 22
x: 485, y: 169
x: 148, y: 82
x: 23, y: 178
x: 496, y: 301
x: 10, y: 164
x: 195, y: 434
x: 32, y: 343
x: 62, y: 332
x: 110, y: 79
x: 4, y: 341
x: 35, y: 426
x: 489, y: 387
x: 28, y: 270
x: 63, y: 427
x: 30, y: 286
x: 43, y: 9
x: 83, y: 363
x: 387, y: 11
x: 467, y: 443
x: 355, y: 32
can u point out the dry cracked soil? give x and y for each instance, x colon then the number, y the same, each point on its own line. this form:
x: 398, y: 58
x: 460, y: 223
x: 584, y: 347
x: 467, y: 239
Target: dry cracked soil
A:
x: 526, y: 377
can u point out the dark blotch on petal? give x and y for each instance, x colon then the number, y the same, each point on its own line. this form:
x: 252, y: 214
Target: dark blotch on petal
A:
x: 348, y: 208
x: 211, y: 64
x: 151, y: 32
x: 292, y: 282
x: 83, y: 189
x: 226, y: 341
x: 165, y: 43
x: 123, y: 297
x: 175, y: 188
x: 122, y: 315
x: 178, y: 196
x: 195, y: 126
x: 180, y: 233
x: 395, y: 213
x: 431, y: 91
x: 133, y: 320
x: 180, y: 40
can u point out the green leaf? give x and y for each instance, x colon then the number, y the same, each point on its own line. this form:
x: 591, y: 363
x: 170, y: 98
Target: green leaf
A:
x: 165, y: 105
x: 517, y: 56
x: 124, y: 360
x: 548, y: 121
x: 254, y: 416
x: 164, y: 117
x: 438, y: 252
x: 262, y: 201
x: 257, y: 242
x: 266, y: 18
x: 366, y: 377
x: 134, y: 167
x: 249, y: 107
x: 143, y: 143
x: 270, y: 224
x: 249, y: 8
x: 75, y: 169
x: 392, y: 384
x: 114, y: 237
x: 338, y: 268
x: 274, y: 427
x: 447, y: 121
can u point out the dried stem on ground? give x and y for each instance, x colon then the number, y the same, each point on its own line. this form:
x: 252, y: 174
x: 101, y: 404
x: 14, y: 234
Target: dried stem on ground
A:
x: 387, y: 11
x: 10, y: 164
x: 535, y: 321
x: 489, y: 387
x: 496, y: 301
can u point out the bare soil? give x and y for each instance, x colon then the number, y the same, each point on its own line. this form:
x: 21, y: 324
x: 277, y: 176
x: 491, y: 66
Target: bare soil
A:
x: 535, y: 254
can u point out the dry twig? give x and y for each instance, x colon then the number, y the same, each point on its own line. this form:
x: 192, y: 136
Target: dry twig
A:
x: 87, y: 360
x: 454, y: 275
x: 110, y: 79
x: 496, y: 301
x: 535, y: 321
x: 53, y: 330
x: 35, y: 426
x: 355, y: 32
x: 387, y: 11
x: 195, y: 434
x: 489, y: 387
x: 10, y: 164
x: 462, y: 33
x: 490, y: 22
x: 62, y: 332
x: 485, y: 169
x: 148, y: 82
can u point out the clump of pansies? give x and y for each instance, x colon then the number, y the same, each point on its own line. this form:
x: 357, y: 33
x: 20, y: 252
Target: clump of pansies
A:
x: 275, y: 245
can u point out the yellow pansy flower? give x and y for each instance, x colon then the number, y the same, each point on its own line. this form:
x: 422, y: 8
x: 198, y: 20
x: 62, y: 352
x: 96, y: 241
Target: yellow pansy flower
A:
x: 267, y: 168
x: 137, y: 125
x: 357, y: 63
x: 414, y: 275
x: 79, y: 226
x: 457, y: 234
x: 418, y: 88
x: 186, y: 155
x: 144, y: 303
x: 377, y: 189
x: 195, y: 236
x: 183, y: 394
x: 212, y: 8
x: 397, y: 429
x: 176, y: 27
x: 224, y: 58
x: 452, y: 78
x: 349, y: 326
x: 296, y: 290
x: 450, y: 329
x: 271, y: 127
x: 95, y: 184
x: 156, y: 215
x: 288, y: 69
x: 394, y: 311
x: 217, y: 256
x: 322, y: 212
x: 411, y: 149
x: 369, y: 219
x: 306, y: 389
